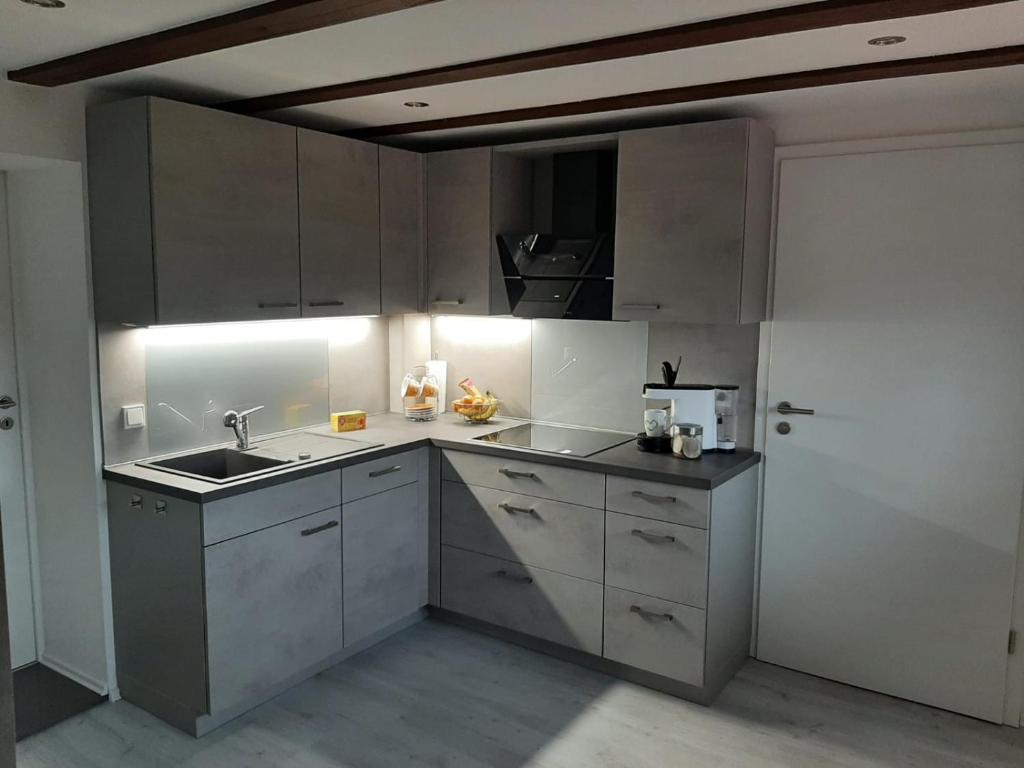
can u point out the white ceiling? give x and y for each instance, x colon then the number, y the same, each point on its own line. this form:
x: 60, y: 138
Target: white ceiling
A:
x: 463, y: 30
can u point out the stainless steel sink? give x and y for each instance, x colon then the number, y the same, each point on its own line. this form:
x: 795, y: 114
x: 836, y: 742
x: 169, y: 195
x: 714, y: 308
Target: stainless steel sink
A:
x: 220, y: 465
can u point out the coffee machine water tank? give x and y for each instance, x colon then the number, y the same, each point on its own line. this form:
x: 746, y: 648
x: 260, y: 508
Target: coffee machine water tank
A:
x: 726, y: 402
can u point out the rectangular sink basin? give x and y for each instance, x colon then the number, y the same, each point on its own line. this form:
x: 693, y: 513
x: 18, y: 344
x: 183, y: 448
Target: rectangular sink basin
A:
x: 219, y: 465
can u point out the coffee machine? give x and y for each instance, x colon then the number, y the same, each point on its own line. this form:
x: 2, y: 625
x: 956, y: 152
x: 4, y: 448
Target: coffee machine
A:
x: 711, y: 406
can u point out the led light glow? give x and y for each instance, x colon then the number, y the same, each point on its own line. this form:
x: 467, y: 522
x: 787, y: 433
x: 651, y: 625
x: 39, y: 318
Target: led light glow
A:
x: 482, y: 331
x: 337, y: 330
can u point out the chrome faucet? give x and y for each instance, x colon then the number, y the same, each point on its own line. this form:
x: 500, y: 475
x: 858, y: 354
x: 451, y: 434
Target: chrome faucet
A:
x: 240, y: 423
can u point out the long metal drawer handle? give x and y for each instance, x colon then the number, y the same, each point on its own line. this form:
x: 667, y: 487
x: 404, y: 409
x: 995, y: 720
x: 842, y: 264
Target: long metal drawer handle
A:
x: 640, y: 306
x: 320, y: 528
x: 448, y: 302
x: 514, y: 474
x: 277, y: 304
x: 388, y: 471
x: 652, y: 497
x: 654, y: 538
x: 334, y: 303
x: 520, y: 510
x: 651, y: 614
x: 787, y: 408
x: 511, y: 577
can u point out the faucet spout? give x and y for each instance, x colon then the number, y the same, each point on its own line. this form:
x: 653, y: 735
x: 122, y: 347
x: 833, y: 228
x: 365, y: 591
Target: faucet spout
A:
x: 239, y: 422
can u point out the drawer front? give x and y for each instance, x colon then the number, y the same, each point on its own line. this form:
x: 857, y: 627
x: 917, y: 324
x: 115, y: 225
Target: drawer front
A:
x: 532, y: 478
x: 370, y: 477
x: 549, y: 605
x: 659, y: 559
x: 239, y: 515
x: 548, y: 534
x: 273, y: 606
x: 659, y: 501
x: 656, y: 635
x: 384, y: 560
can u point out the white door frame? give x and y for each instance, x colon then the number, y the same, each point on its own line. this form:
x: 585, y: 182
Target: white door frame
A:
x: 1013, y: 710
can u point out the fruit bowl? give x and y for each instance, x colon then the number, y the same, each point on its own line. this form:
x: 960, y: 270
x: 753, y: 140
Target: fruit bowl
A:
x: 476, y: 412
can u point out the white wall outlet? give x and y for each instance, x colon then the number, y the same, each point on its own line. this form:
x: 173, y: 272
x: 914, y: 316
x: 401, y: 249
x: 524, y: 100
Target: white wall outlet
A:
x: 134, y: 416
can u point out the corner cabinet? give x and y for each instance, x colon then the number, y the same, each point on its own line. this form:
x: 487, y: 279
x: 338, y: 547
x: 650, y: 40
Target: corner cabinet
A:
x: 692, y: 223
x: 402, y: 202
x: 472, y: 195
x: 339, y: 225
x: 194, y: 214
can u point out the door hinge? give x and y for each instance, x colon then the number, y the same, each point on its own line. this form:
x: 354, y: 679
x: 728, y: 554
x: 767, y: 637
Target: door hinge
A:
x: 1011, y: 645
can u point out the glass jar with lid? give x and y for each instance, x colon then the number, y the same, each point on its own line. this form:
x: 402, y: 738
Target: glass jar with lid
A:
x: 687, y: 440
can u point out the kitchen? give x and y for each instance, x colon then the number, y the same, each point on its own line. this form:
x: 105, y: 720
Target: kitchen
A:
x: 571, y: 417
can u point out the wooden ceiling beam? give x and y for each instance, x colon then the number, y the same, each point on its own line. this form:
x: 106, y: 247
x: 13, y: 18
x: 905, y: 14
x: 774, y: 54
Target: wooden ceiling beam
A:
x: 883, y: 70
x: 249, y: 25
x: 777, y: 21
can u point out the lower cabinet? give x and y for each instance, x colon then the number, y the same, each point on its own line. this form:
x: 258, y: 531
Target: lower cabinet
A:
x: 385, y: 560
x: 273, y: 606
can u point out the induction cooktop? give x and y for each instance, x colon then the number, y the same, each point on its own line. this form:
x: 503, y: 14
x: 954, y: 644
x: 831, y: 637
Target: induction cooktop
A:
x: 568, y: 441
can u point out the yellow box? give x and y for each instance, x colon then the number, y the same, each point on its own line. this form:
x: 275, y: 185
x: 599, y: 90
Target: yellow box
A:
x: 348, y: 421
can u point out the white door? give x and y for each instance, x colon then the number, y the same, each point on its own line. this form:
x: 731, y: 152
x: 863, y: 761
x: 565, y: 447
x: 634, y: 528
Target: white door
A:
x: 891, y: 515
x: 12, y: 473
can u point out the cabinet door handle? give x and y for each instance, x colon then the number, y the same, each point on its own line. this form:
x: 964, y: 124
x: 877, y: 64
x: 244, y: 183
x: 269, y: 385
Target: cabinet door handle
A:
x: 320, y: 528
x: 277, y: 304
x: 645, y: 614
x: 520, y: 510
x: 516, y: 474
x: 388, y: 471
x: 448, y: 302
x: 640, y: 306
x: 654, y: 538
x: 334, y: 303
x: 512, y: 577
x: 652, y: 497
x: 136, y: 501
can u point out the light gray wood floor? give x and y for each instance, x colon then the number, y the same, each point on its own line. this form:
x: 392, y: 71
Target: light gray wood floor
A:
x: 436, y: 695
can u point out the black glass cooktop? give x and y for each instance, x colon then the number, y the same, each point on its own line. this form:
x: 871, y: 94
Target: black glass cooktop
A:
x: 567, y: 441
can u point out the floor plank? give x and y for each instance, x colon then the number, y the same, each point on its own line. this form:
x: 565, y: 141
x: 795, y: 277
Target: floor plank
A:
x: 437, y: 695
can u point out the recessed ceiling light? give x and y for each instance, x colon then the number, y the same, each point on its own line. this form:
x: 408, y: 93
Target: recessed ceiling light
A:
x: 45, y: 3
x: 887, y: 40
x: 416, y: 104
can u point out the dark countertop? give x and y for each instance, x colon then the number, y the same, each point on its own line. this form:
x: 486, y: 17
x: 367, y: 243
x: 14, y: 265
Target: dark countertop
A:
x: 395, y: 434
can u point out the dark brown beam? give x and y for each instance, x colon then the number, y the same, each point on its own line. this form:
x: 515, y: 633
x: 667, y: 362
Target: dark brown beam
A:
x: 856, y: 73
x: 778, y: 21
x: 250, y: 25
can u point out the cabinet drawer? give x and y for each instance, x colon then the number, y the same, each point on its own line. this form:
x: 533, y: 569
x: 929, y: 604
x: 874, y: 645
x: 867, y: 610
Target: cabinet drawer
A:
x: 518, y: 476
x: 238, y: 515
x: 273, y: 606
x: 535, y: 601
x: 659, y: 559
x: 662, y: 637
x: 384, y: 560
x: 548, y: 534
x: 659, y: 501
x: 371, y: 477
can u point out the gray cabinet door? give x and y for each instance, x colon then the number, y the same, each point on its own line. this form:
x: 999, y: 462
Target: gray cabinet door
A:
x: 339, y: 225
x: 682, y: 223
x: 224, y: 208
x: 273, y: 606
x: 385, y: 559
x: 401, y: 230
x: 459, y: 231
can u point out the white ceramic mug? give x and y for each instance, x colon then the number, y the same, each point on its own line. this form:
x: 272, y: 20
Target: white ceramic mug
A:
x: 655, y: 422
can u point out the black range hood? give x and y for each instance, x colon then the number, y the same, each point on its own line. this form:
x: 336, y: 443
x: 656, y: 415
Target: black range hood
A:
x: 568, y: 272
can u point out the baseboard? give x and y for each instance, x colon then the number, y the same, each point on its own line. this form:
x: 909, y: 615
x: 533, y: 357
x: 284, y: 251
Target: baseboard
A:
x: 78, y: 676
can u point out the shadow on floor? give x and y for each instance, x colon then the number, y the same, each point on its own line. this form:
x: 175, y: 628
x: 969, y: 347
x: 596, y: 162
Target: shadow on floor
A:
x: 43, y: 698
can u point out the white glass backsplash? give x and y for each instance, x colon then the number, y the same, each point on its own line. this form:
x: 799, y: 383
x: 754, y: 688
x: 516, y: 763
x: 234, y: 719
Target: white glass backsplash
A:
x: 589, y: 373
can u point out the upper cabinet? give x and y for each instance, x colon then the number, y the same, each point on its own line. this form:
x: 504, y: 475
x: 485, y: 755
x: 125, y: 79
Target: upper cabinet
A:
x: 472, y: 195
x: 194, y: 214
x: 401, y: 230
x: 692, y: 223
x: 339, y: 225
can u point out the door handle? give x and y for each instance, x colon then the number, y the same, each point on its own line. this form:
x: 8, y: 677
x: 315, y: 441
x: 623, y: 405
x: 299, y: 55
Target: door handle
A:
x: 320, y: 528
x: 388, y: 471
x: 517, y: 510
x: 6, y: 401
x: 512, y: 473
x: 786, y: 407
x: 447, y: 302
x: 651, y: 307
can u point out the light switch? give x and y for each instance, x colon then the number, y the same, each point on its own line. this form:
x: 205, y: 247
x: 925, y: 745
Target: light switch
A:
x: 134, y: 416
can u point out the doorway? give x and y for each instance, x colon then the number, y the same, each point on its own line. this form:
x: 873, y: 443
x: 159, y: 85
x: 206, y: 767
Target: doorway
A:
x: 892, y: 496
